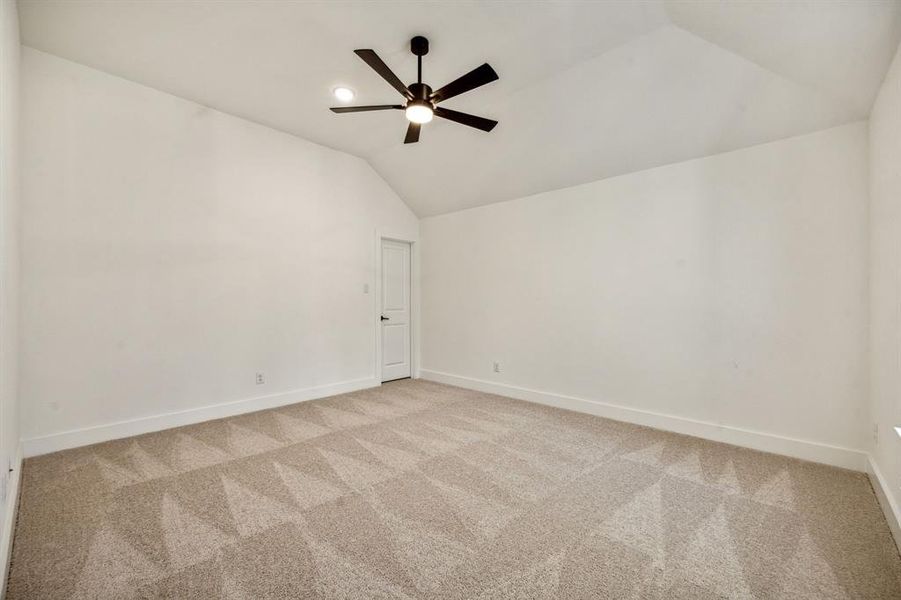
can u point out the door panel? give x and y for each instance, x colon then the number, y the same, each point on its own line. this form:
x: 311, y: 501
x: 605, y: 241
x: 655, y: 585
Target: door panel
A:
x: 394, y: 286
x: 395, y: 313
x: 394, y: 344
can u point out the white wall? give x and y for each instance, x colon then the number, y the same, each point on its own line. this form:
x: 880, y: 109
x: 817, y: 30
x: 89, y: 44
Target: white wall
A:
x: 9, y: 272
x: 170, y: 252
x: 730, y: 289
x: 885, y: 285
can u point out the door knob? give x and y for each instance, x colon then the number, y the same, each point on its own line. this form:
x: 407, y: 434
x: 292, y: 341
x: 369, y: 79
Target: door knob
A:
x: 384, y: 318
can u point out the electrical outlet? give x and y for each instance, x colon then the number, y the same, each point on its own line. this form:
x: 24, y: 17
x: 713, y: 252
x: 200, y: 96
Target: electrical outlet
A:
x: 497, y: 367
x: 4, y: 479
x: 260, y: 379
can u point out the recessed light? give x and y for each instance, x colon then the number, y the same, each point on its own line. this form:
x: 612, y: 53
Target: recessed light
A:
x: 343, y: 94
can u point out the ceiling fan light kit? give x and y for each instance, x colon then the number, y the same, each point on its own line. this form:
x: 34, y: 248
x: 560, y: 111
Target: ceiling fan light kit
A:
x: 421, y: 103
x: 419, y: 112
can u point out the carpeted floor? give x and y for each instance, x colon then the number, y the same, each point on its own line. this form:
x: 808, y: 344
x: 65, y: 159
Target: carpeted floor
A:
x: 418, y: 490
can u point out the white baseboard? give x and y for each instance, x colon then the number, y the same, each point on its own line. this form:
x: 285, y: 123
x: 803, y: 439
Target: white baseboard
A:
x: 887, y: 499
x: 846, y: 458
x: 112, y: 431
x: 9, y: 523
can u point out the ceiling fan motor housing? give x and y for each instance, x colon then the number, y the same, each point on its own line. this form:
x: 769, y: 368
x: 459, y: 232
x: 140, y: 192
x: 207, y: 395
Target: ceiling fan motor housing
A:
x: 421, y: 93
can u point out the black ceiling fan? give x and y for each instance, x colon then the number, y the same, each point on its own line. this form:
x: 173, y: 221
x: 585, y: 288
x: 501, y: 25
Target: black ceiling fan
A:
x: 421, y: 101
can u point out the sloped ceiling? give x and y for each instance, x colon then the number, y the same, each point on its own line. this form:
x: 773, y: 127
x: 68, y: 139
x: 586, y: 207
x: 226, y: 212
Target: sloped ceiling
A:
x: 587, y: 90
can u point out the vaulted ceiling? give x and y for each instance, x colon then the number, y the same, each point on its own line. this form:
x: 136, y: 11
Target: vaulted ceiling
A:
x: 587, y: 90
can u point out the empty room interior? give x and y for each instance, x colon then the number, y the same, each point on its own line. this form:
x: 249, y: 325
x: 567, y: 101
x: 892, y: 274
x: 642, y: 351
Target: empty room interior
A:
x: 472, y: 300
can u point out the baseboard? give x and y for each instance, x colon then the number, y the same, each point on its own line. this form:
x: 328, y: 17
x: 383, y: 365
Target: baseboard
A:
x: 112, y: 431
x: 846, y: 458
x: 887, y: 499
x: 9, y: 524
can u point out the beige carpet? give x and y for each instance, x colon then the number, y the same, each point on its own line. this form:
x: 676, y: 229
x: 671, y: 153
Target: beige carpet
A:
x: 418, y: 490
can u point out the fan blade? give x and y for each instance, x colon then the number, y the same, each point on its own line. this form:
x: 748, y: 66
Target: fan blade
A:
x: 372, y: 59
x: 464, y: 118
x: 475, y: 78
x: 413, y: 133
x: 349, y: 109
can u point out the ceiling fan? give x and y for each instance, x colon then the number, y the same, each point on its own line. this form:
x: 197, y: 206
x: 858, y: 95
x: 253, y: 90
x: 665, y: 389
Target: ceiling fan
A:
x: 421, y: 101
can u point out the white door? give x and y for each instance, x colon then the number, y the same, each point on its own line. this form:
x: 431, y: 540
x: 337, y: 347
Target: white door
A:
x: 395, y: 310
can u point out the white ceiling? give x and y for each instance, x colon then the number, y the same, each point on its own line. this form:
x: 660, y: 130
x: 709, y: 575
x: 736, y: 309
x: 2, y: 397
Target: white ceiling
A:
x: 587, y: 90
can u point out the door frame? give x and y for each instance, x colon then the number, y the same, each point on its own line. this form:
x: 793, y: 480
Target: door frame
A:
x: 414, y: 304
